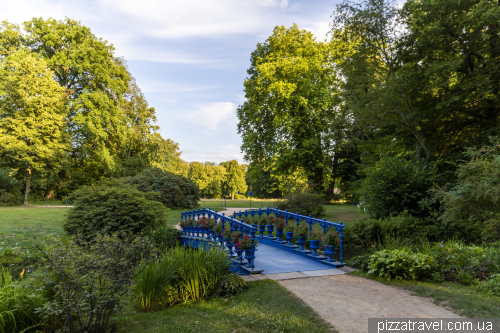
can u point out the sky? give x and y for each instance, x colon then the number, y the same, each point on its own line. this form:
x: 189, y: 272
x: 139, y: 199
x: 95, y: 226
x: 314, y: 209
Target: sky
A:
x: 189, y: 57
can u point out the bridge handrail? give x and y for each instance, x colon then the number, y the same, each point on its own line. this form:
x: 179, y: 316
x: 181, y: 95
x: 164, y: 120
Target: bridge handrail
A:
x: 324, y: 224
x: 234, y: 225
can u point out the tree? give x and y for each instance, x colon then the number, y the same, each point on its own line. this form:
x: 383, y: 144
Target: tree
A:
x: 453, y: 48
x: 215, y: 176
x: 235, y: 177
x: 33, y: 141
x: 198, y: 175
x: 111, y: 127
x: 94, y: 84
x: 291, y: 114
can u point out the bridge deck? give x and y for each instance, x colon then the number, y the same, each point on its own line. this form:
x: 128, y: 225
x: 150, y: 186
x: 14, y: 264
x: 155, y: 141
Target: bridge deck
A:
x: 274, y: 260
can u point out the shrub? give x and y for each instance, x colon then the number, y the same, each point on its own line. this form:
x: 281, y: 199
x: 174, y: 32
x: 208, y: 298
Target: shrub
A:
x: 101, y: 210
x: 181, y: 276
x: 395, y: 185
x: 400, y: 264
x: 164, y: 237
x: 455, y: 254
x: 492, y: 286
x: 366, y: 232
x: 89, y: 282
x: 303, y: 201
x: 174, y: 191
x: 18, y: 305
x: 10, y: 195
x: 474, y: 201
x: 360, y: 262
x: 232, y: 284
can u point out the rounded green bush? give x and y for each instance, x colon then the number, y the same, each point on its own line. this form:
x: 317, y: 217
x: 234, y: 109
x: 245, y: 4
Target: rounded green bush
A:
x: 174, y: 191
x: 108, y: 210
x: 395, y: 185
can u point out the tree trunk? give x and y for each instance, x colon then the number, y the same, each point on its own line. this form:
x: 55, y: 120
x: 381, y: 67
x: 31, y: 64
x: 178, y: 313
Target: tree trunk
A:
x: 331, y: 187
x: 28, y: 180
x: 49, y: 194
x: 232, y: 195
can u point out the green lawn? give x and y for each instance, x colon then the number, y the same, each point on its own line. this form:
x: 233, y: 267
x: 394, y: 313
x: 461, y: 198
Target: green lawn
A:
x: 343, y: 213
x: 464, y: 300
x: 237, y: 203
x: 264, y: 307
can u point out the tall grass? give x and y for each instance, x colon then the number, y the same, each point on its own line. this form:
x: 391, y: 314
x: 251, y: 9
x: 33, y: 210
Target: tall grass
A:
x: 17, y: 310
x: 181, y: 276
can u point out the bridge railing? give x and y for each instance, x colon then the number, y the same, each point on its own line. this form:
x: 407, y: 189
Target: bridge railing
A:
x: 194, y: 234
x: 311, y: 221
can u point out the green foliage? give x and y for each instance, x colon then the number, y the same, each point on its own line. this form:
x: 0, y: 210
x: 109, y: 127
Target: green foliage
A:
x: 395, y: 185
x: 85, y: 103
x: 164, y: 237
x: 360, y: 262
x: 303, y: 201
x: 332, y: 238
x: 290, y: 227
x: 174, y: 191
x: 291, y: 104
x: 366, y: 232
x: 400, y: 264
x: 316, y: 235
x: 208, y: 177
x: 234, y: 178
x: 33, y: 140
x: 455, y: 254
x: 181, y: 276
x: 302, y: 230
x: 88, y: 283
x: 232, y: 284
x: 9, y: 189
x: 245, y: 243
x: 106, y: 210
x: 475, y: 199
x: 492, y: 286
x: 18, y: 305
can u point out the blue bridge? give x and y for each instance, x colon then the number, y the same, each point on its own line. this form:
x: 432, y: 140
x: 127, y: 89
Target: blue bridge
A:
x: 273, y: 254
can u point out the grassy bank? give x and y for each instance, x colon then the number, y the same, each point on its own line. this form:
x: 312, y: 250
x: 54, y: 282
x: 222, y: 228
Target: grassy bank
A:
x: 264, y: 307
x: 463, y: 300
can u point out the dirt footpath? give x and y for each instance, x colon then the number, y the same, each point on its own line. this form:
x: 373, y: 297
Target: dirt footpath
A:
x: 347, y: 301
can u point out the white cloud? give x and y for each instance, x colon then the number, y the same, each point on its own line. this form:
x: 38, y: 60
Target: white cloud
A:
x: 319, y: 29
x: 213, y: 117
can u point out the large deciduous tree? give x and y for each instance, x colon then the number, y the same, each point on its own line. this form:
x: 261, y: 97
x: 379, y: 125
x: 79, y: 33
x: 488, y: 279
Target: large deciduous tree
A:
x: 33, y: 140
x: 111, y: 127
x: 291, y: 114
x: 235, y: 177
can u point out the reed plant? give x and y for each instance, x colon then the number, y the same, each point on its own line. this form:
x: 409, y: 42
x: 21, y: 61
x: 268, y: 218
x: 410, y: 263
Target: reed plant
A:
x: 181, y: 276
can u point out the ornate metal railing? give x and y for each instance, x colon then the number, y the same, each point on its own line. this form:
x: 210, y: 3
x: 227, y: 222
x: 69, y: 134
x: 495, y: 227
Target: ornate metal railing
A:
x: 324, y: 224
x: 193, y: 234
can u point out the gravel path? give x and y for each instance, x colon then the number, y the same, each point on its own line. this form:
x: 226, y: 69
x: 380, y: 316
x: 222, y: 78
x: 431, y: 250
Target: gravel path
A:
x: 347, y: 301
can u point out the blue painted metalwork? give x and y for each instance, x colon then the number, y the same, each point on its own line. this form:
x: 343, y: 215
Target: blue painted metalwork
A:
x: 324, y: 224
x: 192, y: 236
